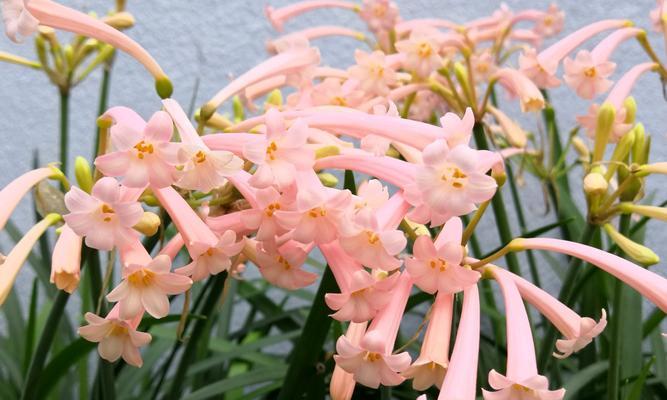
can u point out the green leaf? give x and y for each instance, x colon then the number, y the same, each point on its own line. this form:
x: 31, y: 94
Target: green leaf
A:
x: 253, y: 377
x: 61, y: 364
x: 638, y: 386
x: 582, y: 378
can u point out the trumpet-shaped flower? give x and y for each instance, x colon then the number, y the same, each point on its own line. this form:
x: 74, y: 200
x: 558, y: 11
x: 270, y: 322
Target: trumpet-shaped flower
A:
x: 379, y: 15
x: 279, y: 16
x: 422, y: 51
x: 521, y: 380
x: 281, y: 266
x: 214, y: 260
x: 11, y: 195
x: 146, y: 287
x: 371, y: 361
x: 263, y: 218
x: 66, y: 260
x: 342, y: 382
x: 116, y: 337
x: 373, y: 72
x: 143, y: 152
x: 438, y: 269
x: 458, y: 130
x: 371, y: 194
x: 334, y: 92
x: 517, y: 84
x: 281, y: 154
x: 430, y: 368
x: 450, y: 182
x: 588, y: 76
x: 102, y: 217
x: 551, y: 22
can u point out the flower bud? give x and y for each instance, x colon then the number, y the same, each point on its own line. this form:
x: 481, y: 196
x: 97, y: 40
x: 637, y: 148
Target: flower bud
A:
x: 581, y: 149
x: 275, y: 98
x: 148, y: 224
x: 595, y: 184
x: 621, y: 152
x: 83, y: 174
x: 636, y: 251
x: 237, y: 107
x: 49, y: 199
x: 328, y: 179
x: 630, y: 110
x: 121, y: 20
x: 605, y: 123
x: 69, y: 56
x: 646, y: 211
x: 327, y: 151
x: 639, y: 144
x: 164, y: 87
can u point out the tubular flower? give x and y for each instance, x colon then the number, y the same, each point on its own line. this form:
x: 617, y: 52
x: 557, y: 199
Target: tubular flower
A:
x: 461, y: 378
x: 263, y: 218
x: 145, y: 287
x: 116, y: 337
x: 11, y: 195
x: 280, y: 44
x: 281, y: 154
x: 379, y: 15
x: 280, y: 266
x: 11, y: 265
x: 521, y: 380
x: 200, y: 168
x: 551, y: 21
x: 279, y: 16
x: 214, y: 260
x: 430, y: 368
x: 342, y: 382
x: 587, y: 76
x: 438, y: 269
x: 102, y: 217
x: 371, y: 361
x: 371, y: 194
x: 421, y: 52
x: 144, y: 154
x: 517, y: 84
x: 450, y: 182
x: 373, y: 72
x: 66, y: 260
x: 336, y: 93
x: 457, y: 130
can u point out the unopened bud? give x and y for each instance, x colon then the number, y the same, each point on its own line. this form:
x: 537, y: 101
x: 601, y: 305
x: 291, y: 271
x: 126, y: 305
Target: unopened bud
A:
x: 656, y: 168
x: 630, y: 106
x: 148, y: 224
x: 69, y: 55
x: 655, y: 212
x: 216, y: 121
x: 121, y: 20
x: 621, y: 152
x: 83, y: 174
x: 49, y: 199
x: 237, y: 107
x: 418, y: 229
x: 595, y: 184
x: 327, y: 151
x: 328, y: 179
x: 164, y: 87
x: 639, y: 144
x: 499, y: 176
x: 634, y: 250
x: 275, y: 98
x: 605, y: 124
x: 581, y: 149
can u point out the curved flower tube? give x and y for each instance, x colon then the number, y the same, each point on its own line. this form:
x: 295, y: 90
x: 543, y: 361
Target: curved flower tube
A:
x: 315, y: 32
x: 279, y: 16
x: 11, y: 195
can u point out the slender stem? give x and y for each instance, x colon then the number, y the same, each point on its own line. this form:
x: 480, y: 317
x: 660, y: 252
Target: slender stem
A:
x: 470, y: 227
x: 64, y: 128
x: 498, y: 205
x: 104, y: 100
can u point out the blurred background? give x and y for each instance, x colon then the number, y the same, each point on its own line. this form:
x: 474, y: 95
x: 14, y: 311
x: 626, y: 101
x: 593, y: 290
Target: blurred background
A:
x: 203, y: 44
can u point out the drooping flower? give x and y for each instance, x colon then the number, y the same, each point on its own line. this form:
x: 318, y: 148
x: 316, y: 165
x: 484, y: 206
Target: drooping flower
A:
x: 371, y: 361
x: 214, y: 260
x: 279, y: 16
x: 379, y: 15
x: 116, y: 337
x: 66, y: 260
x: 146, y: 287
x: 342, y: 382
x: 281, y: 154
x: 438, y: 269
x: 422, y: 51
x: 11, y: 195
x: 102, y: 217
x: 551, y: 21
x: 430, y: 368
x: 517, y: 84
x: 280, y: 266
x: 372, y: 71
x: 521, y: 380
x: 333, y: 91
x: 143, y: 152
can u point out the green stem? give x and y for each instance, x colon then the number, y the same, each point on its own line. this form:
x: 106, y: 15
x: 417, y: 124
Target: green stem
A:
x: 566, y: 296
x: 104, y: 100
x: 64, y: 128
x: 498, y: 205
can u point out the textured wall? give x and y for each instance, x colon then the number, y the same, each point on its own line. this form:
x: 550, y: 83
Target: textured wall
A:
x: 211, y: 41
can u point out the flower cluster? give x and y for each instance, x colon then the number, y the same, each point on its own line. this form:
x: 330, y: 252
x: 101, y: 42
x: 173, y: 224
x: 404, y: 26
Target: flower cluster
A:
x: 260, y: 188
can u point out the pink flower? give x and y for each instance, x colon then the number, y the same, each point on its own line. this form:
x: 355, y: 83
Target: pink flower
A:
x: 144, y: 155
x: 279, y: 16
x: 214, y: 260
x: 372, y: 71
x: 281, y: 266
x: 422, y: 51
x: 551, y: 22
x: 439, y: 269
x: 588, y: 76
x: 318, y: 214
x: 342, y: 382
x: 461, y: 378
x: 66, y: 260
x: 147, y: 287
x: 517, y: 84
x: 11, y: 195
x: 200, y: 168
x: 430, y: 368
x: 371, y: 194
x: 103, y: 218
x: 483, y: 65
x: 450, y: 182
x: 11, y: 265
x: 263, y: 218
x: 380, y: 15
x: 281, y: 154
x: 116, y: 337
x: 521, y: 380
x: 372, y: 245
x: 457, y: 130
x: 18, y: 21
x: 333, y: 91
x: 282, y: 43
x: 371, y: 362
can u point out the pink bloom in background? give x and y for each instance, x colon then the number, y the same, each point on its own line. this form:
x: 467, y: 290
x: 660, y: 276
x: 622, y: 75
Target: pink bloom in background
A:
x: 116, y: 337
x: 430, y: 368
x: 281, y: 154
x: 421, y: 51
x: 66, y: 260
x: 371, y: 361
x: 483, y: 65
x: 588, y: 76
x: 551, y: 22
x: 438, y: 269
x: 146, y: 287
x: 11, y: 195
x: 450, y: 182
x: 380, y: 15
x: 281, y: 266
x: 521, y: 380
x: 372, y: 71
x: 279, y: 16
x: 143, y: 152
x: 335, y: 92
x: 102, y: 217
x: 214, y: 260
